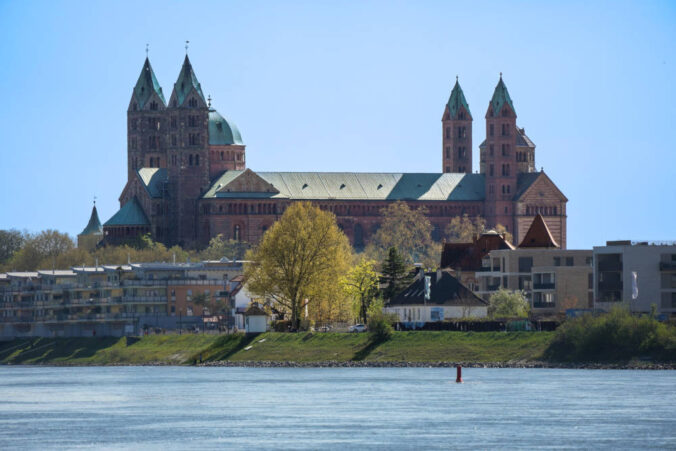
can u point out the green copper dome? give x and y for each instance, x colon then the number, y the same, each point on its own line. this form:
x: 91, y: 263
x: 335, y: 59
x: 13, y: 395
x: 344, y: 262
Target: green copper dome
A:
x: 94, y: 226
x: 221, y: 131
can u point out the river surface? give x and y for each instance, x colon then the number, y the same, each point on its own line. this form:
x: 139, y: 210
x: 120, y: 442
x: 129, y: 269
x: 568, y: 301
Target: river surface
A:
x: 334, y: 408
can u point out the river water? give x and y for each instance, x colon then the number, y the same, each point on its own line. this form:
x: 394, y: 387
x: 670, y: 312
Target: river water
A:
x: 334, y: 408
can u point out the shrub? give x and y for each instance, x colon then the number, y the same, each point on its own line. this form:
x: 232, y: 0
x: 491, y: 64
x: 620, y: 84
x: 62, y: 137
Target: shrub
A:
x: 379, y: 324
x: 614, y: 336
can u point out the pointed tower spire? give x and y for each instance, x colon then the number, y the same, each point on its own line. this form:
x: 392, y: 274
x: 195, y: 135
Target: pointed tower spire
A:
x: 186, y: 82
x: 501, y: 97
x: 457, y: 133
x: 94, y: 225
x: 147, y: 84
x: 457, y: 100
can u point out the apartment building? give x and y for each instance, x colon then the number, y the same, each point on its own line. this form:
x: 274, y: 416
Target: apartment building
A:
x: 552, y: 279
x: 637, y: 275
x: 116, y: 300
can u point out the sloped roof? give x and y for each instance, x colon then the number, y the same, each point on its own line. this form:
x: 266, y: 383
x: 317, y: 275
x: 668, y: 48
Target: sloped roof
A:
x: 359, y: 186
x: 457, y: 100
x: 147, y: 84
x: 222, y: 131
x: 153, y: 180
x: 524, y: 181
x: 94, y: 226
x: 185, y: 82
x: 446, y: 291
x: 538, y: 235
x: 501, y: 98
x: 522, y: 140
x: 131, y: 213
x: 468, y: 256
x: 255, y: 310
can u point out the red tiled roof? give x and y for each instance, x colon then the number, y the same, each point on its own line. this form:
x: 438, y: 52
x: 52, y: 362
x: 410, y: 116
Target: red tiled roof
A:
x: 538, y: 235
x: 468, y: 256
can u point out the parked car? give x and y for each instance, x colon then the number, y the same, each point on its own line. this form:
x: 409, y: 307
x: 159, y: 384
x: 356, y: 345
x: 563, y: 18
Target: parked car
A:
x: 357, y: 328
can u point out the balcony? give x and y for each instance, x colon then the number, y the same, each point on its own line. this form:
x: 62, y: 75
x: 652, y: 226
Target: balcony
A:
x: 667, y: 266
x: 610, y: 265
x: 610, y: 286
x: 544, y: 286
x: 549, y: 305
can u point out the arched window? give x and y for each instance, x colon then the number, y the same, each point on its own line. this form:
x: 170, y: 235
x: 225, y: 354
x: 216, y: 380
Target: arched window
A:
x: 222, y: 155
x: 197, y: 160
x: 190, y: 160
x: 152, y: 161
x: 236, y: 233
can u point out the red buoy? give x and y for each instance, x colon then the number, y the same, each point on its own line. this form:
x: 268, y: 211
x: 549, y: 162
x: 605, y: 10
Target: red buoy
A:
x: 458, y: 378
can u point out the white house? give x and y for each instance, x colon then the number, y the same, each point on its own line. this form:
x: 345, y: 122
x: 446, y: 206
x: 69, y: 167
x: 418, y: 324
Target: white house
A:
x: 255, y: 319
x: 447, y: 298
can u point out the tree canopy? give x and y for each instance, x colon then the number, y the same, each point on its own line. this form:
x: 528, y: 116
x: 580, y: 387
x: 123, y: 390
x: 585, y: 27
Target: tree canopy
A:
x: 299, y: 261
x: 395, y: 273
x: 409, y: 231
x: 508, y: 304
x: 463, y: 229
x: 361, y: 285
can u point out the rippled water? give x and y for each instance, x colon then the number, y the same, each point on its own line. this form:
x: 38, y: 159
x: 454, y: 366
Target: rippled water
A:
x: 334, y: 408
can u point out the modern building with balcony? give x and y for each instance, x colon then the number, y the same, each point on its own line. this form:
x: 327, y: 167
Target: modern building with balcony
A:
x: 116, y: 300
x: 552, y: 279
x: 636, y: 275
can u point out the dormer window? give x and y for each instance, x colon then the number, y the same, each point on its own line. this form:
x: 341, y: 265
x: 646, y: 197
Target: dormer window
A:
x: 192, y: 103
x: 219, y: 126
x: 153, y: 105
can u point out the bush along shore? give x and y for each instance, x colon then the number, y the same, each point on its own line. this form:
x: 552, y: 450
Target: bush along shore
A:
x: 616, y: 340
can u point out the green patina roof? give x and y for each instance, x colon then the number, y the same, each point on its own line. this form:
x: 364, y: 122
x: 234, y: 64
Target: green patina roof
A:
x: 153, y: 179
x: 222, y: 131
x: 457, y: 100
x: 359, y: 186
x: 500, y: 98
x: 187, y: 80
x: 146, y: 84
x: 131, y: 213
x: 94, y: 226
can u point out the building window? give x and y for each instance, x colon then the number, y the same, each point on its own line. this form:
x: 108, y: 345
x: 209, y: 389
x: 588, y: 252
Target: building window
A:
x: 569, y: 261
x: 192, y: 121
x: 490, y: 130
x: 153, y: 105
x: 557, y: 261
x: 448, y: 132
x: 448, y: 169
x: 133, y: 124
x: 448, y: 152
x: 194, y: 139
x: 190, y: 160
x: 222, y: 156
x: 490, y: 150
x: 197, y: 160
x: 490, y: 170
x: 152, y: 142
x: 173, y: 122
x: 133, y: 143
x: 192, y: 103
x: 173, y: 140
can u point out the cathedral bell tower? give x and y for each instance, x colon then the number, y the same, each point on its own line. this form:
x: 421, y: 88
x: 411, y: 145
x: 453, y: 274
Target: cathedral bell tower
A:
x: 145, y: 123
x: 457, y: 133
x: 498, y: 157
x: 187, y: 154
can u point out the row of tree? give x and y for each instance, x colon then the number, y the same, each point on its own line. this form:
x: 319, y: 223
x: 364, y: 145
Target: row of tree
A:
x: 23, y: 251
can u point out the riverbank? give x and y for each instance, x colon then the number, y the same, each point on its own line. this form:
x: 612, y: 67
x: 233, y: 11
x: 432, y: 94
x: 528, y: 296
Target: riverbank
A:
x: 403, y: 349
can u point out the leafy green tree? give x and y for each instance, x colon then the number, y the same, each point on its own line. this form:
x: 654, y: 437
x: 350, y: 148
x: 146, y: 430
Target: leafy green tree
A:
x: 379, y: 324
x: 395, y: 273
x: 10, y: 243
x: 41, y: 249
x: 508, y: 304
x: 220, y: 247
x: 361, y: 284
x: 409, y: 231
x: 463, y: 229
x: 300, y: 260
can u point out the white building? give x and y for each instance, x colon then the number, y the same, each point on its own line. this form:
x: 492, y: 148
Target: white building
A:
x: 448, y: 298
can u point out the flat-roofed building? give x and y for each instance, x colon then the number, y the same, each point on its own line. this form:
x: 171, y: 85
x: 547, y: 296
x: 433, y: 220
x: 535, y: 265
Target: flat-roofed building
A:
x: 637, y: 275
x: 552, y: 279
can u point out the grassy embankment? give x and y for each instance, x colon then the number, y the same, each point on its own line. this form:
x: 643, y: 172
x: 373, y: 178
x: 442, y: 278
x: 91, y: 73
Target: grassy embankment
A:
x: 617, y: 337
x: 301, y: 347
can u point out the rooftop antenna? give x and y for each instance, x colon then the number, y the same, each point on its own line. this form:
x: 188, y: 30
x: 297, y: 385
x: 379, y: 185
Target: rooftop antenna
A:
x: 187, y: 43
x: 209, y: 100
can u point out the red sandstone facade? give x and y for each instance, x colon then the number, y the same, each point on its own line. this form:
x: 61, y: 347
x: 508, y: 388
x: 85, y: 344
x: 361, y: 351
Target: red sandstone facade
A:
x: 186, y: 172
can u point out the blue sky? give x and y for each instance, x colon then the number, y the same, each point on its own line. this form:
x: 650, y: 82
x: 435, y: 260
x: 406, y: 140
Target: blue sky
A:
x: 349, y: 86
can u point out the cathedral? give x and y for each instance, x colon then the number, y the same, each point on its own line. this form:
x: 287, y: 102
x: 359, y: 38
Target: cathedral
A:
x: 187, y: 179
